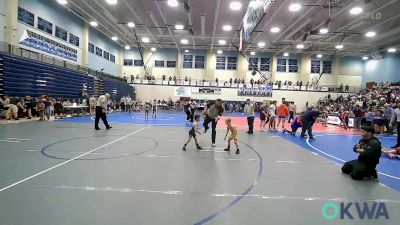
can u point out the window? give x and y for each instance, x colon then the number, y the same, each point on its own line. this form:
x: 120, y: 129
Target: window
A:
x: 26, y: 17
x: 327, y: 67
x: 281, y: 65
x: 99, y: 52
x: 232, y: 61
x: 158, y: 63
x: 106, y: 55
x: 315, y: 66
x: 45, y: 26
x: 264, y: 64
x: 253, y: 63
x: 73, y: 40
x: 91, y: 48
x: 171, y: 64
x: 221, y: 63
x: 128, y: 62
x: 138, y: 62
x: 199, y: 62
x: 293, y: 67
x: 188, y: 61
x: 112, y: 58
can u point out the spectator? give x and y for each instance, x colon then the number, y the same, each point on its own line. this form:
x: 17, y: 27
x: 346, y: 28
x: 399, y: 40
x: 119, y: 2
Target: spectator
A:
x: 357, y: 117
x: 249, y: 110
x: 41, y: 108
x: 396, y: 117
x: 29, y: 106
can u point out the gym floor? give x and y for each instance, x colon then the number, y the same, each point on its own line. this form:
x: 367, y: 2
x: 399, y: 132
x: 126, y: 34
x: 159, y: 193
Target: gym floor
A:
x: 65, y: 172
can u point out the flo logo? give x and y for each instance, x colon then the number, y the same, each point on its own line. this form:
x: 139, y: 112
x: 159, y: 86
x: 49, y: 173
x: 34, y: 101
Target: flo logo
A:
x: 355, y: 210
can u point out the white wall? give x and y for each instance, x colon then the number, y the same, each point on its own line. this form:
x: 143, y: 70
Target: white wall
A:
x: 106, y: 44
x: 149, y: 92
x: 58, y: 16
x: 2, y: 19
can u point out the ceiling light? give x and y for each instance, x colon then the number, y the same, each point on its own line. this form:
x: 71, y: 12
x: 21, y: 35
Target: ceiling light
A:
x: 300, y: 46
x: 127, y: 47
x: 261, y: 44
x: 370, y: 34
x: 319, y: 56
x: 365, y: 58
x: 295, y: 7
x: 153, y: 49
x: 391, y: 50
x: 186, y: 51
x: 221, y: 42
x: 173, y: 3
x: 323, y: 30
x: 62, y: 2
x: 219, y: 51
x: 94, y: 24
x: 286, y: 54
x: 184, y: 41
x: 275, y: 29
x: 112, y: 2
x: 179, y: 27
x: 131, y: 24
x: 356, y: 10
x: 114, y: 38
x: 339, y: 46
x: 235, y: 6
x: 227, y: 27
x: 145, y: 40
x: 252, y: 53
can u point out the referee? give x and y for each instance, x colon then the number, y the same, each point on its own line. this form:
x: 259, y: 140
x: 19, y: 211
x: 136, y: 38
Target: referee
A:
x: 101, y: 107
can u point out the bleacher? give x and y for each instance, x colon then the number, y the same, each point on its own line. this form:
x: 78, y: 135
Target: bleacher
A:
x: 116, y: 89
x: 22, y: 77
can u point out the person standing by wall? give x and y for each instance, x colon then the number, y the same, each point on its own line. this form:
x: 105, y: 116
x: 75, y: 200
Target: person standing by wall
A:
x: 249, y: 110
x: 308, y: 120
x: 101, y: 108
x: 128, y: 104
x: 154, y: 106
x: 213, y: 112
x: 357, y: 117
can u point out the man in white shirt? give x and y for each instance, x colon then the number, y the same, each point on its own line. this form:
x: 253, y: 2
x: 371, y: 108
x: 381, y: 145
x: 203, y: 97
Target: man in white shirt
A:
x: 249, y: 110
x: 292, y: 111
x: 128, y: 104
x: 272, y: 115
x: 122, y: 103
x: 101, y: 107
x: 396, y: 117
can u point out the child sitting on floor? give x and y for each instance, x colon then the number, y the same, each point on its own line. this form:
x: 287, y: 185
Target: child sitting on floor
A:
x: 297, y: 123
x: 392, y: 153
x: 192, y: 133
x: 234, y: 135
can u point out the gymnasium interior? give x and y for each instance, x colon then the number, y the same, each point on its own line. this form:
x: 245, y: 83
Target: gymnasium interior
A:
x: 239, y: 112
